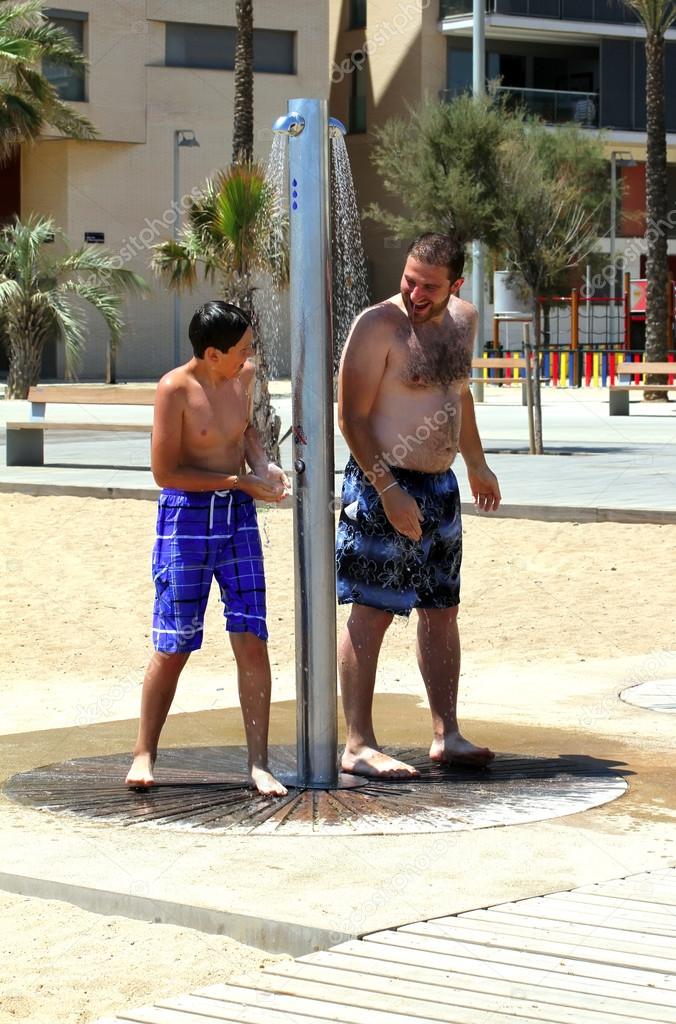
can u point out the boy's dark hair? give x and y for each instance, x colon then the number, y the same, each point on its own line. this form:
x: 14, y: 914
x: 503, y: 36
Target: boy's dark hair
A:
x: 439, y: 251
x: 219, y: 325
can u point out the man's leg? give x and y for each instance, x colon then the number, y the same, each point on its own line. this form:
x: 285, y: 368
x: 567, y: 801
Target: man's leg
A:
x: 159, y: 687
x: 358, y: 651
x: 255, y: 689
x: 438, y: 650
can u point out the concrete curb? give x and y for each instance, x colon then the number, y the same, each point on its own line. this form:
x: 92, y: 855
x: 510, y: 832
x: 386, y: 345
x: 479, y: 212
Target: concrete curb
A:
x: 543, y: 513
x: 263, y: 933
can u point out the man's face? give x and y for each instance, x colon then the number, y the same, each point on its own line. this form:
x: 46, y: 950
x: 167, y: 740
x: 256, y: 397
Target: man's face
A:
x: 231, y: 363
x: 426, y: 290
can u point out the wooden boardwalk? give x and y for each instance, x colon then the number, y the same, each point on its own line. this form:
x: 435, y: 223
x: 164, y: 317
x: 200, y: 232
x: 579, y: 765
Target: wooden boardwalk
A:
x: 601, y: 954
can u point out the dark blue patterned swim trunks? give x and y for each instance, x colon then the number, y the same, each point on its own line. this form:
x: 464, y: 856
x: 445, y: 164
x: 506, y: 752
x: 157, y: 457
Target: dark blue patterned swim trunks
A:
x: 379, y: 567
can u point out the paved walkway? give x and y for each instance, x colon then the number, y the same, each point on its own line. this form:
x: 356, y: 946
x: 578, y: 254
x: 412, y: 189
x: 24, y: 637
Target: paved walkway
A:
x: 596, y: 467
x: 600, y: 954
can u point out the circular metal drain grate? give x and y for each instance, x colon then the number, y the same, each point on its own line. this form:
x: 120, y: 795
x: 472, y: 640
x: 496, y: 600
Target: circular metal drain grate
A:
x: 191, y: 794
x: 656, y: 695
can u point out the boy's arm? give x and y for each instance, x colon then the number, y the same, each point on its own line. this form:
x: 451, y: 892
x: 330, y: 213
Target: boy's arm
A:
x: 254, y: 452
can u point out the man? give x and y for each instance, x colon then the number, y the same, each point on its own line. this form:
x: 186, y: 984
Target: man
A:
x: 206, y: 526
x: 405, y: 409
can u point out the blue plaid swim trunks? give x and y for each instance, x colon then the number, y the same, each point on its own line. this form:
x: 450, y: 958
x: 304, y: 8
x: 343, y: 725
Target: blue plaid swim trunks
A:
x: 379, y: 567
x: 201, y: 535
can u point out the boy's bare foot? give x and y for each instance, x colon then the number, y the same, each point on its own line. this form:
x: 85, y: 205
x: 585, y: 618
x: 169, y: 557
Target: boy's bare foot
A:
x: 266, y: 783
x: 374, y: 764
x: 455, y: 749
x: 140, y: 775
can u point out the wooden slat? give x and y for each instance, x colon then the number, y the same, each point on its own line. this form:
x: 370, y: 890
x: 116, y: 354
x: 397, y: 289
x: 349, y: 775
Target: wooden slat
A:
x: 643, y: 387
x: 605, y: 930
x: 498, y: 363
x: 542, y: 944
x: 199, y: 1010
x: 608, y: 902
x: 588, y: 912
x: 139, y: 428
x: 546, y: 961
x: 660, y: 368
x: 644, y: 895
x: 463, y: 991
x: 516, y: 973
x: 91, y: 394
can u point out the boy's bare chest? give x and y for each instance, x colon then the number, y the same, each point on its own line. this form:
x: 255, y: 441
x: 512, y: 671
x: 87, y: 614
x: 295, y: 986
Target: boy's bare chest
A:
x: 215, y: 420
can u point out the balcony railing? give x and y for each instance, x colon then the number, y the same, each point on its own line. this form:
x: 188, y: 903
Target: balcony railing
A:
x: 613, y: 11
x: 553, y: 106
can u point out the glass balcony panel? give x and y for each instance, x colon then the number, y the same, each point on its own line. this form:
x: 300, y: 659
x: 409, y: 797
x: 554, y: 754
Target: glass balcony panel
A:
x: 608, y: 11
x: 556, y: 106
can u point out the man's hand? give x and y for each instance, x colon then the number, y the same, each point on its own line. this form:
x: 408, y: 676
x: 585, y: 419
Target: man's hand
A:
x: 274, y: 475
x: 403, y: 512
x: 261, y: 490
x: 485, y: 488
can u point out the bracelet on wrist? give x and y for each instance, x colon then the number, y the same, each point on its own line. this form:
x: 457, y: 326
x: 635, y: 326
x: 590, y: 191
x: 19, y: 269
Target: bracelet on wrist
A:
x: 389, y: 487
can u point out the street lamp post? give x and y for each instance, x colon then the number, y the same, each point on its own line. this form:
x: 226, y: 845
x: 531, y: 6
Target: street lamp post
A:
x: 183, y: 137
x: 618, y: 158
x: 479, y: 89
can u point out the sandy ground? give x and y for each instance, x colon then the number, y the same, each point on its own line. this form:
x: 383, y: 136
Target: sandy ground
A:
x: 75, y: 610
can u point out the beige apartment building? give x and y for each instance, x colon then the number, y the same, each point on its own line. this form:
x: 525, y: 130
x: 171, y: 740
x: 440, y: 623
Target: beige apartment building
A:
x: 157, y: 67
x: 567, y: 60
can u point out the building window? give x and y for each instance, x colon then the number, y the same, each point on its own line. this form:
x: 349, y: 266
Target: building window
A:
x: 68, y: 82
x: 213, y: 47
x: 357, y: 14
x: 358, y: 80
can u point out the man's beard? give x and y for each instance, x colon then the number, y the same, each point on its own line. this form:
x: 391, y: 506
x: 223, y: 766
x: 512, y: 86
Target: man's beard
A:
x: 428, y: 313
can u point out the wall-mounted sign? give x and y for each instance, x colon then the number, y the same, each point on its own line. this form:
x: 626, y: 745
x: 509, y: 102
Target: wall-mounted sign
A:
x: 97, y: 237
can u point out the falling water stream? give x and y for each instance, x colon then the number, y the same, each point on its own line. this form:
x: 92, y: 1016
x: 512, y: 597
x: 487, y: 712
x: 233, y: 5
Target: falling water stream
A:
x: 349, y: 274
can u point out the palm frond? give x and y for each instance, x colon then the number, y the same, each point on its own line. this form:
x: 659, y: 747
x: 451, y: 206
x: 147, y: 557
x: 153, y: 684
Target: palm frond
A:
x: 70, y: 322
x: 656, y: 15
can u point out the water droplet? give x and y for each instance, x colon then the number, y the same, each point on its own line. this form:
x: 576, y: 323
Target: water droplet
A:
x: 294, y: 206
x: 294, y: 183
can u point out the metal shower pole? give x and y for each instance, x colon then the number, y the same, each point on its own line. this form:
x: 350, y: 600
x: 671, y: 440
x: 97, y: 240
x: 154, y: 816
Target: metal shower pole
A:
x: 479, y: 89
x: 307, y: 125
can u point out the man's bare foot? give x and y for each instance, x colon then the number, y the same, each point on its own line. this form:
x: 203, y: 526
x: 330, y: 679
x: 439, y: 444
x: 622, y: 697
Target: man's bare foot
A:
x: 455, y: 749
x: 374, y: 764
x: 140, y: 775
x: 266, y: 783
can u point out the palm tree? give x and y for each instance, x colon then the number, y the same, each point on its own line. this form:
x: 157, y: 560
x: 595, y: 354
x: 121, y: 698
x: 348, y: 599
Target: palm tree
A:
x: 236, y: 232
x: 28, y: 102
x: 657, y: 17
x: 242, y: 142
x: 42, y: 284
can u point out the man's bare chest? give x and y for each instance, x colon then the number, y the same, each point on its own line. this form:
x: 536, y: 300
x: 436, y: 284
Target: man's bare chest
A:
x: 433, y: 358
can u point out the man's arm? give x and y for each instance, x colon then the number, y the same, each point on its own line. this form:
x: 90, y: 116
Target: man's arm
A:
x: 362, y: 369
x: 482, y: 481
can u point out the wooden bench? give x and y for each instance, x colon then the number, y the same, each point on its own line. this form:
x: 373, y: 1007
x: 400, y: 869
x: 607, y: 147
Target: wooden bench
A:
x: 26, y: 438
x: 500, y: 363
x: 618, y: 404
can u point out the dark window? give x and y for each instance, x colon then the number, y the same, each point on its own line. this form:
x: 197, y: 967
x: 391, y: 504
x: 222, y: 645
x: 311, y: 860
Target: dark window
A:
x: 357, y: 119
x: 68, y: 82
x: 357, y: 14
x: 460, y: 75
x: 213, y: 47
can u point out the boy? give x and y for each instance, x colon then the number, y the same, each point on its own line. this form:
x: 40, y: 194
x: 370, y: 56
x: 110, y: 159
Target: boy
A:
x: 206, y: 526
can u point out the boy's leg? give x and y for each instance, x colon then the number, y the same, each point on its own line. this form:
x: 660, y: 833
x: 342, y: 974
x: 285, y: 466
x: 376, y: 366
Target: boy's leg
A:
x: 255, y: 687
x: 159, y: 687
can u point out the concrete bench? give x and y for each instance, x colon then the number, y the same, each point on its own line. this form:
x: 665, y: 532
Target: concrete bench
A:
x: 26, y: 438
x: 618, y: 403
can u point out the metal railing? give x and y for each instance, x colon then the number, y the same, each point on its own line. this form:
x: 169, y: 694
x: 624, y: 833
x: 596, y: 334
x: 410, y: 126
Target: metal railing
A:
x: 552, y: 105
x: 614, y: 11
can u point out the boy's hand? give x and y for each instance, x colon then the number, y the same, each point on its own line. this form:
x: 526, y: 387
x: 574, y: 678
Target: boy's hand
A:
x: 273, y: 474
x: 261, y: 490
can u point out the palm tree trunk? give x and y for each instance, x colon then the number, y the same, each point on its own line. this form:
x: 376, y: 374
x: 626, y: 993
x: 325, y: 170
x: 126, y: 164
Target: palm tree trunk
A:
x: 25, y: 362
x: 242, y: 142
x: 656, y: 212
x: 265, y: 419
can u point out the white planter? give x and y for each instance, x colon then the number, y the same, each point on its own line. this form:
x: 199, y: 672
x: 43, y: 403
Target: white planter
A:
x: 512, y: 295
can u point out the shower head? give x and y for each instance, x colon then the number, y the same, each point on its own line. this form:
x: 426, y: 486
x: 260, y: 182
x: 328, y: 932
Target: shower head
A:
x: 289, y: 124
x: 336, y: 128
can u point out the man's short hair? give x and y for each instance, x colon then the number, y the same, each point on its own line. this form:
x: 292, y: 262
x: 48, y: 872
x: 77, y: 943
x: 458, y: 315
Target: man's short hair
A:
x: 439, y: 251
x: 219, y: 325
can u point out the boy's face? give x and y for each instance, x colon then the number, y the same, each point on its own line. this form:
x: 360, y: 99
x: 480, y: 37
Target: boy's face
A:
x: 231, y: 363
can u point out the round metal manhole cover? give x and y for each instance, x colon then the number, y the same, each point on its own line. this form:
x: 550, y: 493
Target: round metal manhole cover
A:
x: 656, y: 695
x: 204, y: 789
